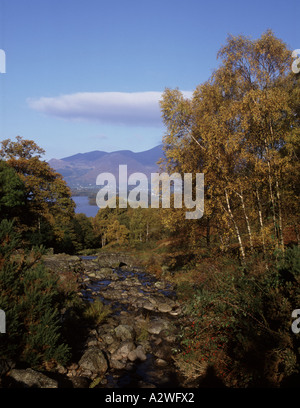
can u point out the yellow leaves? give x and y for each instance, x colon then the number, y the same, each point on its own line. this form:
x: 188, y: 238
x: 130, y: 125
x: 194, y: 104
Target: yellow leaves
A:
x: 21, y: 149
x: 117, y: 232
x: 241, y: 130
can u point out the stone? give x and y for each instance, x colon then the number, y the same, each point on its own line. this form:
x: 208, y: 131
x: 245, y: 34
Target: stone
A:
x: 93, y: 360
x: 164, y: 307
x: 157, y: 341
x: 153, y: 301
x: 61, y: 369
x: 86, y: 373
x: 104, y: 271
x: 117, y: 364
x: 92, y: 342
x: 159, y: 285
x: 113, y: 347
x: 30, y: 378
x: 169, y: 338
x: 124, y: 332
x: 73, y: 366
x: 141, y: 323
x: 132, y: 355
x: 79, y: 382
x: 148, y: 305
x: 108, y: 338
x: 159, y: 362
x: 124, y: 349
x: 176, y: 312
x: 140, y: 353
x: 162, y: 352
x: 156, y: 326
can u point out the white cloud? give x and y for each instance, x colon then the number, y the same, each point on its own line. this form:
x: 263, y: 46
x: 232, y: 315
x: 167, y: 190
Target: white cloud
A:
x: 118, y: 108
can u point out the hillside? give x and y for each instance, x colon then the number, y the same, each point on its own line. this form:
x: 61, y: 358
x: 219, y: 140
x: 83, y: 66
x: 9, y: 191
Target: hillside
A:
x: 81, y: 170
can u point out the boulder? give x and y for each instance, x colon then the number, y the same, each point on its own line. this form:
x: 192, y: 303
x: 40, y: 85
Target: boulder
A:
x: 124, y: 332
x: 93, y: 360
x: 117, y: 364
x: 146, y: 304
x: 137, y: 354
x: 140, y: 353
x: 157, y: 325
x: 30, y: 378
x: 123, y: 350
x: 79, y: 382
x: 132, y: 356
x: 108, y: 338
x: 164, y: 307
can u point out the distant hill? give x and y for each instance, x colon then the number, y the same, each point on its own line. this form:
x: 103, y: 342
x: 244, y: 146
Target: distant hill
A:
x: 81, y: 170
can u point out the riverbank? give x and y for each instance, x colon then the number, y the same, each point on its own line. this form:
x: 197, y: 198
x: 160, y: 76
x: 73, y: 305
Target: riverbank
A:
x: 132, y: 346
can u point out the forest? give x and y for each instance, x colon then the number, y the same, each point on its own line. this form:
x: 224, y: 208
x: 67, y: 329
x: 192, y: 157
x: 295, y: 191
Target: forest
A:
x: 236, y: 269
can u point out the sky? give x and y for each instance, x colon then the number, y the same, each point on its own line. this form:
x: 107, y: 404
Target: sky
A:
x: 84, y: 75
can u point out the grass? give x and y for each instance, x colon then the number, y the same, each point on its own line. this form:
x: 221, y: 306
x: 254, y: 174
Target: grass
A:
x: 142, y: 331
x: 96, y: 312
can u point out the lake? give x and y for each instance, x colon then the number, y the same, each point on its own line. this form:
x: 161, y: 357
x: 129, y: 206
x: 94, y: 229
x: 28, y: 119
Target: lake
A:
x: 83, y: 206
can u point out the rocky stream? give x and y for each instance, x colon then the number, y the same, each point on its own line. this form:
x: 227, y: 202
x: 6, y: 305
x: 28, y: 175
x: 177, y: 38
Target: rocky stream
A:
x: 133, y: 346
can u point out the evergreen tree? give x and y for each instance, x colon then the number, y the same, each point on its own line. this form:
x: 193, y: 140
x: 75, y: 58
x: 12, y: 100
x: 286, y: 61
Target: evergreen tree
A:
x: 12, y: 193
x: 29, y: 298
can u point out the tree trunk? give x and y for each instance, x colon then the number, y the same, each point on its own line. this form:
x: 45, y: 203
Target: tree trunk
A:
x: 280, y: 229
x: 271, y: 193
x: 246, y: 219
x: 236, y: 227
x: 261, y: 220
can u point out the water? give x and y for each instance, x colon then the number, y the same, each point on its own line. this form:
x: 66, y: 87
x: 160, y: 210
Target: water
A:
x: 83, y: 206
x: 138, y: 373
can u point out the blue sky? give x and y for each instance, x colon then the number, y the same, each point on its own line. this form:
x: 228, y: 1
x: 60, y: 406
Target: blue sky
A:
x: 85, y: 75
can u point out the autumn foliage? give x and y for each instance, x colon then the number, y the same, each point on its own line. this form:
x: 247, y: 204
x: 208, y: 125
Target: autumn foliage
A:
x: 241, y: 129
x: 237, y: 268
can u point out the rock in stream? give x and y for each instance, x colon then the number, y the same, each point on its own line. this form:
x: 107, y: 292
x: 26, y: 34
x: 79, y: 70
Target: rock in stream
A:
x: 133, y: 346
x: 137, y: 339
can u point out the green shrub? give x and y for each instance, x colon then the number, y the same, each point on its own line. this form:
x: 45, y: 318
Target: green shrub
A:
x: 28, y: 295
x: 240, y: 323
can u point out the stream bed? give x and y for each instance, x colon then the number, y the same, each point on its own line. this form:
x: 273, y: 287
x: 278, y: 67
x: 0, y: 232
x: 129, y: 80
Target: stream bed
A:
x: 139, y: 335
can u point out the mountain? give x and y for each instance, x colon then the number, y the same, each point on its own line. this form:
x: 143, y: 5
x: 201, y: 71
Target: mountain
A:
x: 81, y: 170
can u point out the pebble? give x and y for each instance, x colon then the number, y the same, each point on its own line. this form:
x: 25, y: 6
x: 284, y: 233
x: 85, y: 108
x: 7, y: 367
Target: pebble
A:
x: 159, y: 362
